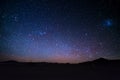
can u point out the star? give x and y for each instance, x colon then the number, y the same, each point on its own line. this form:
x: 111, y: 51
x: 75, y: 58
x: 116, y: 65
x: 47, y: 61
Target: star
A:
x: 108, y: 23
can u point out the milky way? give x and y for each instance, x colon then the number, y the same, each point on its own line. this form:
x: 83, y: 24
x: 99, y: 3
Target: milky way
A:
x: 59, y: 30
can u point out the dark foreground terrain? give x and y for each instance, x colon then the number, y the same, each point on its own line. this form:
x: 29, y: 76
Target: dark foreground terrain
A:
x: 100, y: 69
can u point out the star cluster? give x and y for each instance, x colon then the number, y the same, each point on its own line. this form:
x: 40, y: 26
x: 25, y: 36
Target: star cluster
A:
x: 59, y: 31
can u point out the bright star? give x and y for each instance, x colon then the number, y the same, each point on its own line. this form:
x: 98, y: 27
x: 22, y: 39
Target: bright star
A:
x: 108, y: 23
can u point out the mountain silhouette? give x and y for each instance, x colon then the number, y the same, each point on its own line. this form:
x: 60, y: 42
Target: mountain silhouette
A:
x: 100, y: 69
x: 100, y: 60
x: 10, y: 61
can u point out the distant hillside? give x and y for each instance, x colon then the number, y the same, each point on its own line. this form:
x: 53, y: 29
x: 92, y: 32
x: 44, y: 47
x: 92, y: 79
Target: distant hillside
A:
x: 97, y: 61
x: 100, y: 69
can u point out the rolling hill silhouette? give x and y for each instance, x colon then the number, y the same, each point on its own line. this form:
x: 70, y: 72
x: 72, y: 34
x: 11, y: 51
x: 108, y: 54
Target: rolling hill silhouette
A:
x: 100, y: 69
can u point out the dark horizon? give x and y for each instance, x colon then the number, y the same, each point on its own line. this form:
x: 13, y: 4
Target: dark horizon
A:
x: 100, y: 69
x: 99, y: 61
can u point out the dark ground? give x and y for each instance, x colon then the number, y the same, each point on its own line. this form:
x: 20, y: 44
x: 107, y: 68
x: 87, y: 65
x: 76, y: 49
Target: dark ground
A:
x: 100, y: 69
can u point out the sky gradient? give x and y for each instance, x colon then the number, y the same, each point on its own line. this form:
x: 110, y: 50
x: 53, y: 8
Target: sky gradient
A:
x: 61, y: 31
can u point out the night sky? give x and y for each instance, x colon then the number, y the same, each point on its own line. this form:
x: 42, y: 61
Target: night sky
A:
x: 59, y: 30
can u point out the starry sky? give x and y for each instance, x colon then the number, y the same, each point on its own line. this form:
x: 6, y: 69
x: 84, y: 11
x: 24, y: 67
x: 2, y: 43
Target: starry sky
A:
x: 63, y: 31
